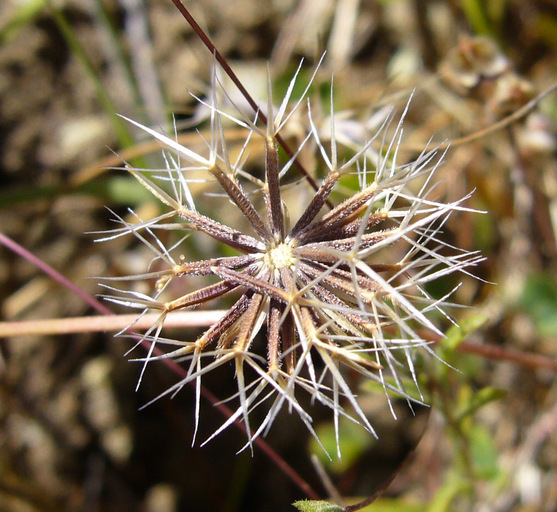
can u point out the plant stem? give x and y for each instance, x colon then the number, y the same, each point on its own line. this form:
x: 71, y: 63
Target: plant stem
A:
x: 106, y: 323
x: 228, y: 70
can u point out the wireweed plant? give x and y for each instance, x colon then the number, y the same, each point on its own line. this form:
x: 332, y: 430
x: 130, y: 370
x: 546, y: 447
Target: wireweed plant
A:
x: 342, y: 289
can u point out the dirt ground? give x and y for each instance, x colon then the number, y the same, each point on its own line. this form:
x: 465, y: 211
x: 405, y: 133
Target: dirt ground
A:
x: 72, y: 434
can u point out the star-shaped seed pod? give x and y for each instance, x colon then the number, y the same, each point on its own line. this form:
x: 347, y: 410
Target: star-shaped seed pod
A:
x: 342, y: 290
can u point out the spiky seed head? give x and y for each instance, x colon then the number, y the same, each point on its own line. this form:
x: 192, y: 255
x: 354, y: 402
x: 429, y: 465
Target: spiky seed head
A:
x: 343, y: 289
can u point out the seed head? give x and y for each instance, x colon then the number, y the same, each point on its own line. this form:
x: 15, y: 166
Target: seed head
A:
x: 341, y: 290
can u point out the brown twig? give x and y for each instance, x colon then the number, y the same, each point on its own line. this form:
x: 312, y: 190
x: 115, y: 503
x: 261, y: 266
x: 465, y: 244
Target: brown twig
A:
x: 529, y: 360
x: 110, y: 322
x: 106, y: 323
x: 503, y: 123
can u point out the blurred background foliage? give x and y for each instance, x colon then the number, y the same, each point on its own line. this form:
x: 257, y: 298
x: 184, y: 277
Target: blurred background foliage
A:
x: 71, y: 435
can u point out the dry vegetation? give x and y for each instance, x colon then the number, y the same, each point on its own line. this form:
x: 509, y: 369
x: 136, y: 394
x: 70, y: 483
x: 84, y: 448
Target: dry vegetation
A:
x: 71, y: 435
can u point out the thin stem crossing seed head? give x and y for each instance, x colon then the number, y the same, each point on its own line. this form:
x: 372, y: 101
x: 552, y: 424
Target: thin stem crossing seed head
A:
x: 339, y: 291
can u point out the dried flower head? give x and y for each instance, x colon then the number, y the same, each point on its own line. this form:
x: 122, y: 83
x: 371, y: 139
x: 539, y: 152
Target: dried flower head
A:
x: 342, y: 289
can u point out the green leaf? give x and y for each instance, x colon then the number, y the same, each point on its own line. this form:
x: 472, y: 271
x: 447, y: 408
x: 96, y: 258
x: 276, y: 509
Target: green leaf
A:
x: 478, y: 400
x: 420, y: 395
x: 484, y: 230
x: 539, y: 300
x: 317, y: 506
x: 114, y: 190
x: 443, y: 500
x: 394, y: 505
x: 477, y: 16
x: 457, y: 333
x: 484, y: 453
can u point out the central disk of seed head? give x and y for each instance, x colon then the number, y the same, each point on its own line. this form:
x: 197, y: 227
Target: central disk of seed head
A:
x: 279, y: 256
